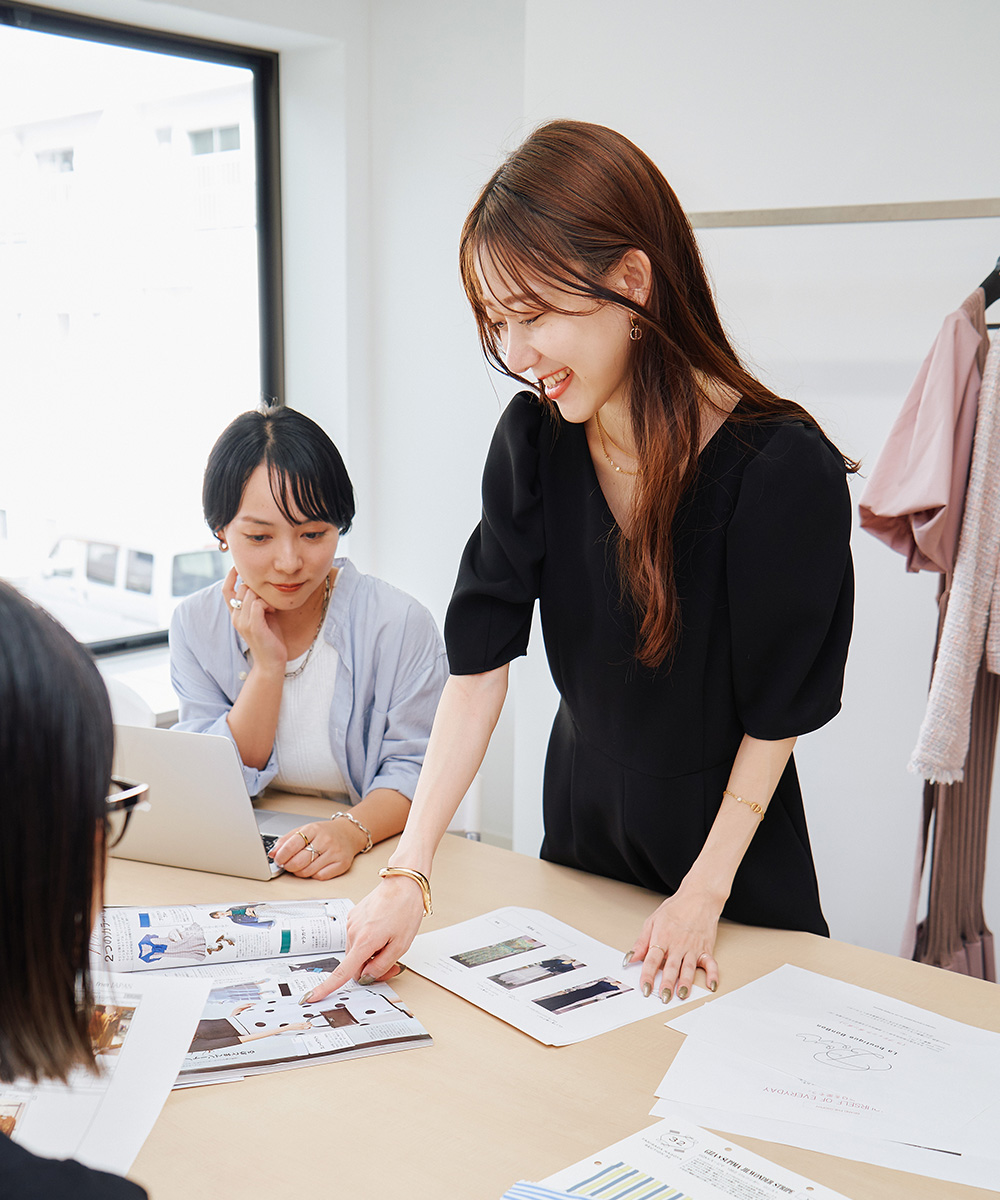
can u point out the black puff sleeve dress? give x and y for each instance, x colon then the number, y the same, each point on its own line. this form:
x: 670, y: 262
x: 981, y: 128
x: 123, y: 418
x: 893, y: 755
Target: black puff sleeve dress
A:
x: 638, y: 758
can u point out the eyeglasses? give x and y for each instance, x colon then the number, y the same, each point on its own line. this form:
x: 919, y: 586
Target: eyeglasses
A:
x: 124, y: 798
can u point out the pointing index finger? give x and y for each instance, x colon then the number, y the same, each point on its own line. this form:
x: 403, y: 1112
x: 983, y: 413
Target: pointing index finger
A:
x: 350, y: 967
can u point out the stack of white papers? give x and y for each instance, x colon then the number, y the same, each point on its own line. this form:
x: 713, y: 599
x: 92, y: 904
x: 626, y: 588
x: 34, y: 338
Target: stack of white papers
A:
x: 809, y: 1061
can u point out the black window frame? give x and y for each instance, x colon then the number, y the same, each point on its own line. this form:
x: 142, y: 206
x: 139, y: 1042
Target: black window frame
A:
x: 264, y: 66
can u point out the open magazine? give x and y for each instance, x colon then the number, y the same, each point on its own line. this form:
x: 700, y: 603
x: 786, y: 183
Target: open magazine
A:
x: 261, y: 959
x: 182, y: 935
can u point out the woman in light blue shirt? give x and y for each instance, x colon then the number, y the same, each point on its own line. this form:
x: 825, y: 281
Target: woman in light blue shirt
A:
x: 324, y: 678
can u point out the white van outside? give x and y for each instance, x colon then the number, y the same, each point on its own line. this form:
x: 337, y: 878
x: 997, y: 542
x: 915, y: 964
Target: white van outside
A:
x: 105, y: 589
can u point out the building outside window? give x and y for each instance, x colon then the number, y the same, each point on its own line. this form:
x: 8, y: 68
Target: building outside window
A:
x: 133, y: 294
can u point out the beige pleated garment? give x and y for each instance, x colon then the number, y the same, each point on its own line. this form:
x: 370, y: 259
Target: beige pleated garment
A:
x: 957, y: 743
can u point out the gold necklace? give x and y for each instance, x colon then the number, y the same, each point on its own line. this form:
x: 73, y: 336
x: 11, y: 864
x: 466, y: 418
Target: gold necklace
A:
x: 600, y: 434
x: 327, y: 592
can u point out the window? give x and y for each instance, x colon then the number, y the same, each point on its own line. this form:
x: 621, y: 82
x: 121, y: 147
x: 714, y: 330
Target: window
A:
x: 213, y: 141
x: 139, y: 572
x: 55, y: 162
x: 102, y: 562
x: 198, y: 570
x: 140, y: 301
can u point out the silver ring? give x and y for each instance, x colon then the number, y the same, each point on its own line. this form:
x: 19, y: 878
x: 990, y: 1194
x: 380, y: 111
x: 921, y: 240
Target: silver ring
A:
x: 235, y: 604
x: 314, y: 852
x: 662, y: 949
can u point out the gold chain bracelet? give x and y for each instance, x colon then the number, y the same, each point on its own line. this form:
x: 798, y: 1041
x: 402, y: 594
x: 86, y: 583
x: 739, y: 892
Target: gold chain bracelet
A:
x: 354, y: 821
x: 752, y: 805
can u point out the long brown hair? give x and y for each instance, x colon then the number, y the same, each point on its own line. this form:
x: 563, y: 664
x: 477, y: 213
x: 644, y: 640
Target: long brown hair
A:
x: 563, y: 210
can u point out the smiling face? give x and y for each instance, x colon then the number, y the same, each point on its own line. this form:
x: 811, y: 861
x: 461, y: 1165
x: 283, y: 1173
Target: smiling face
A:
x: 577, y: 348
x: 283, y: 562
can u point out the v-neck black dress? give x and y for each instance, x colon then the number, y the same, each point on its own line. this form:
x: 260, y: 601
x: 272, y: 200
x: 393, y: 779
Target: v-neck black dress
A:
x: 638, y: 758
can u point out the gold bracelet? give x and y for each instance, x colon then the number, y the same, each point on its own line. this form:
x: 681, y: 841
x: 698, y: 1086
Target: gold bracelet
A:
x: 364, y: 828
x: 417, y: 877
x: 749, y: 803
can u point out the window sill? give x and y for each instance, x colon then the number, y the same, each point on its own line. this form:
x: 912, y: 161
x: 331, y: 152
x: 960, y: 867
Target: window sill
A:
x: 147, y: 673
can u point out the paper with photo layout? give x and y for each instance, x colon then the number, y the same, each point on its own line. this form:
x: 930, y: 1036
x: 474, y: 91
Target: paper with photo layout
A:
x: 973, y: 1168
x: 255, y: 1008
x: 674, y: 1160
x: 870, y: 1061
x: 150, y: 937
x: 543, y: 977
x: 141, y: 1029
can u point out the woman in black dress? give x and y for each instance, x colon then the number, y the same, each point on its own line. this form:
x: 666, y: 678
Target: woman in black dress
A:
x: 687, y: 534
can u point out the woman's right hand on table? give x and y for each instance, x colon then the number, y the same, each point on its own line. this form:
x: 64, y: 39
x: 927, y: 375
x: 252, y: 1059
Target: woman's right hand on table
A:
x: 379, y: 931
x: 250, y: 620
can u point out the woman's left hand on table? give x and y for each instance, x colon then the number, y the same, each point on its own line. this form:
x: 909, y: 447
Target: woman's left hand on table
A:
x: 336, y: 845
x: 675, y: 942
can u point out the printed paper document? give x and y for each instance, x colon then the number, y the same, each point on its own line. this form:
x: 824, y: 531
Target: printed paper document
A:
x: 675, y: 1161
x: 543, y: 977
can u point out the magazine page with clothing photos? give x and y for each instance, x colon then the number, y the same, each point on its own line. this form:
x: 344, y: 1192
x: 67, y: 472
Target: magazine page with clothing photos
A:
x: 148, y: 937
x: 255, y: 1020
x: 259, y: 960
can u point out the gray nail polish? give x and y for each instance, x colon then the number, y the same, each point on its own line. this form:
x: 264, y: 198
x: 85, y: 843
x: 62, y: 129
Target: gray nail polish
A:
x: 665, y: 995
x: 713, y: 985
x: 366, y: 980
x: 646, y: 989
x: 682, y: 993
x: 628, y: 958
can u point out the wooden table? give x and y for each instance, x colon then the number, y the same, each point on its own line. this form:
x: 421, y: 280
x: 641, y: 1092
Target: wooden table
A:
x: 486, y: 1105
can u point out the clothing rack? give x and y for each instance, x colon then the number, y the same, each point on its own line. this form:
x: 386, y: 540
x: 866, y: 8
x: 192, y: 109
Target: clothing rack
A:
x: 843, y: 214
x: 847, y: 214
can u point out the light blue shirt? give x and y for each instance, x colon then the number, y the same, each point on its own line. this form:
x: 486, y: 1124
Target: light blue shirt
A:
x: 389, y: 679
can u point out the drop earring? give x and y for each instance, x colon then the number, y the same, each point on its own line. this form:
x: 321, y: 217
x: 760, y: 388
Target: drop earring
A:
x: 635, y: 332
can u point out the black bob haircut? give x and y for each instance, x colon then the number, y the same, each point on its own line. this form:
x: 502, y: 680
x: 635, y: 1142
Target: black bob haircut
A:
x: 56, y: 742
x: 308, y: 478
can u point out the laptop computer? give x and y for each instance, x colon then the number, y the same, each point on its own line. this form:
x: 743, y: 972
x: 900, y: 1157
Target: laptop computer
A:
x: 200, y: 814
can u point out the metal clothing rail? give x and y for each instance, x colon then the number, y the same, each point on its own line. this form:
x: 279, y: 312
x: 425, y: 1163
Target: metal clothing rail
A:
x: 844, y: 214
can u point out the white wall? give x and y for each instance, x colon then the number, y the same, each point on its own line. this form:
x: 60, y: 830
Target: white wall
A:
x: 395, y: 111
x: 446, y: 91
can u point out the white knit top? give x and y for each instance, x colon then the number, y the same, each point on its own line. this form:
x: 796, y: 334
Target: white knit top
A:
x: 302, y: 741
